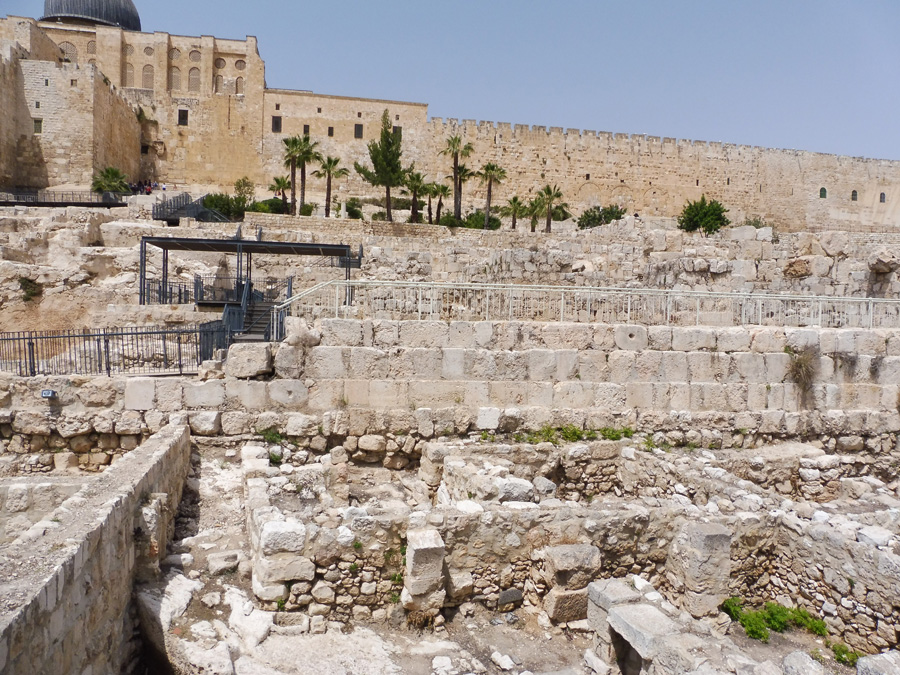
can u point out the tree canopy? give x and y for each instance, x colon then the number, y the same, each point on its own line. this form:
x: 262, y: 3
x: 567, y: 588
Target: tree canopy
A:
x: 707, y: 216
x: 387, y: 170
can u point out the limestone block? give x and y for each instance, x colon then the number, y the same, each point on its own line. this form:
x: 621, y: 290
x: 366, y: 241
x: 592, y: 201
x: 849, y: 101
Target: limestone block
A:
x: 608, y: 592
x: 140, y: 393
x: 631, y: 338
x: 297, y: 332
x: 277, y: 536
x: 129, y: 422
x: 290, y: 394
x: 887, y: 663
x: 327, y: 362
x: 288, y: 361
x: 563, y: 605
x: 249, y: 359
x: 68, y: 427
x: 513, y: 489
x: 621, y: 366
x: 222, y: 562
x: 571, y: 566
x: 249, y: 395
x: 206, y: 423
x: 609, y: 396
x: 430, y: 602
x: 168, y: 395
x: 460, y: 585
x: 488, y: 418
x: 372, y: 443
x: 342, y: 332
x: 873, y: 535
x: 27, y: 422
x: 734, y: 339
x: 424, y: 554
x: 642, y: 626
x: 541, y: 365
x: 693, y: 338
x: 268, y: 592
x: 210, y: 394
x: 767, y: 340
x: 801, y: 663
x: 659, y: 338
x: 424, y: 333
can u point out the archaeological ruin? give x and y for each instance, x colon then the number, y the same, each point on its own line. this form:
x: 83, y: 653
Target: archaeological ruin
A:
x: 302, y: 444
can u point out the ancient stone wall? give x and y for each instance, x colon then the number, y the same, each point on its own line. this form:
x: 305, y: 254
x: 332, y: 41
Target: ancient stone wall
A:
x: 71, y: 612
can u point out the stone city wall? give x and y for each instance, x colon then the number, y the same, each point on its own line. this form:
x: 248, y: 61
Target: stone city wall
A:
x: 24, y: 502
x: 73, y: 611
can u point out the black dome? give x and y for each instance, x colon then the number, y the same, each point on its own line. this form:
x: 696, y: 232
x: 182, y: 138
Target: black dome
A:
x: 121, y: 13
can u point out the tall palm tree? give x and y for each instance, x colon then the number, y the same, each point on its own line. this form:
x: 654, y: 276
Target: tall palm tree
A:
x: 463, y: 175
x: 280, y: 185
x: 514, y: 208
x: 533, y: 209
x: 429, y: 192
x: 440, y: 191
x: 330, y: 169
x: 456, y: 149
x: 415, y: 185
x: 299, y: 151
x: 490, y: 173
x: 549, y: 196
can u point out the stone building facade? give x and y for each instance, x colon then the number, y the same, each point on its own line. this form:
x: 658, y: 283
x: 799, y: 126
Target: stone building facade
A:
x: 208, y: 118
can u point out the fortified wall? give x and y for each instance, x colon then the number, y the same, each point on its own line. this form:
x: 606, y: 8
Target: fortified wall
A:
x: 208, y: 119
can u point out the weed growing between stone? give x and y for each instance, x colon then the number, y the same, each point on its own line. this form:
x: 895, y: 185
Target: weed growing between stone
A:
x: 571, y: 434
x: 802, y: 368
x: 758, y: 623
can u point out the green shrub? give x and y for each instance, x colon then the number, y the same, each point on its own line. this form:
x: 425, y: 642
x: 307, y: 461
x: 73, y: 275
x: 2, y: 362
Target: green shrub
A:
x: 756, y: 221
x: 778, y: 617
x: 307, y: 209
x: 475, y: 221
x: 447, y: 220
x: 219, y: 201
x: 843, y: 654
x: 30, y: 288
x: 271, y: 435
x: 733, y: 607
x: 708, y: 217
x: 611, y: 434
x: 273, y: 205
x: 379, y: 215
x: 802, y: 367
x: 571, y: 433
x: 803, y: 619
x: 596, y: 216
x: 754, y: 623
x: 354, y: 208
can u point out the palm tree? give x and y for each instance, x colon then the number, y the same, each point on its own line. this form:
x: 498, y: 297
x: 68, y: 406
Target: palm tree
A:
x: 440, y: 191
x: 280, y: 185
x: 534, y: 209
x: 549, y: 195
x: 415, y: 185
x: 456, y: 149
x: 299, y: 150
x: 329, y: 170
x: 514, y: 208
x: 110, y: 179
x: 429, y: 192
x: 490, y: 173
x: 463, y: 175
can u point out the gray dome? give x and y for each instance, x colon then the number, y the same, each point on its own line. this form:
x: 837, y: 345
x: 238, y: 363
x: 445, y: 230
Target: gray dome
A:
x: 121, y: 13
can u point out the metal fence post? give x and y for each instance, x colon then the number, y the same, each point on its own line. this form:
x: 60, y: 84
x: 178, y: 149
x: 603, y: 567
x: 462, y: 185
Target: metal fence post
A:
x: 106, y: 353
x: 180, y: 364
x: 31, y: 364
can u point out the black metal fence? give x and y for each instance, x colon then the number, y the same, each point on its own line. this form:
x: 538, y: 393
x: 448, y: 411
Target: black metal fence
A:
x: 215, y: 289
x: 61, y: 198
x: 133, y: 351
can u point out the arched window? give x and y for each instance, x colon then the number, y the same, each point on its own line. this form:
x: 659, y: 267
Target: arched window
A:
x: 882, y: 198
x: 854, y: 196
x: 69, y: 51
x: 147, y: 77
x: 194, y: 79
x: 129, y: 75
x: 823, y: 193
x: 175, y: 78
x: 239, y: 86
x: 220, y: 81
x: 92, y: 47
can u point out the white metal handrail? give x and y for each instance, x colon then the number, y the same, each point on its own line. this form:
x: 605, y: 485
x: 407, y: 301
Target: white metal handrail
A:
x: 518, y: 302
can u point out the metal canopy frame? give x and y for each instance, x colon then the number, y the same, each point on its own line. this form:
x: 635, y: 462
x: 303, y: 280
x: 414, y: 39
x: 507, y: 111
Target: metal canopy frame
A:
x: 244, y: 250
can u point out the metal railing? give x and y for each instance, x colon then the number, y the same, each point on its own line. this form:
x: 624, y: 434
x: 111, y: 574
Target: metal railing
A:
x: 61, y: 198
x: 511, y: 302
x: 214, y: 289
x: 134, y: 351
x: 165, y: 209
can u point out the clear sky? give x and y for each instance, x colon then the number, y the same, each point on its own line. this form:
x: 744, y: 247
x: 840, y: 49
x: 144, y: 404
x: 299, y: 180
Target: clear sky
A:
x: 821, y: 75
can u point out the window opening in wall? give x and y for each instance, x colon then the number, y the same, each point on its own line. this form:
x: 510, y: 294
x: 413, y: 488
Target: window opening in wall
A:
x: 147, y: 77
x: 882, y: 198
x: 240, y: 64
x: 129, y: 75
x: 587, y: 176
x: 276, y: 124
x: 318, y: 110
x: 823, y: 193
x: 91, y: 47
x: 397, y: 118
x: 357, y: 131
x: 145, y: 149
x: 220, y: 63
x: 306, y: 130
x: 38, y: 126
x: 397, y: 130
x: 174, y: 78
x: 698, y: 182
x: 220, y: 82
x: 37, y: 104
x: 854, y: 196
x: 277, y: 106
x: 359, y: 114
x: 73, y: 83
x: 330, y: 131
x: 727, y: 181
x: 182, y: 118
x: 194, y: 56
x: 194, y: 79
x: 239, y: 86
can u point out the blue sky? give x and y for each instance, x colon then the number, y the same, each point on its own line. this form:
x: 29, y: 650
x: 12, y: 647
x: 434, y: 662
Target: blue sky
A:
x: 817, y: 75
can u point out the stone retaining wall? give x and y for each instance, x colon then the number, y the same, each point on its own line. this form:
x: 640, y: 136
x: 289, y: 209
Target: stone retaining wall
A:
x: 70, y: 600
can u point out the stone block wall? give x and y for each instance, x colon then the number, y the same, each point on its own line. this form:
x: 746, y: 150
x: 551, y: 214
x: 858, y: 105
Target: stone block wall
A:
x: 72, y: 614
x: 23, y: 503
